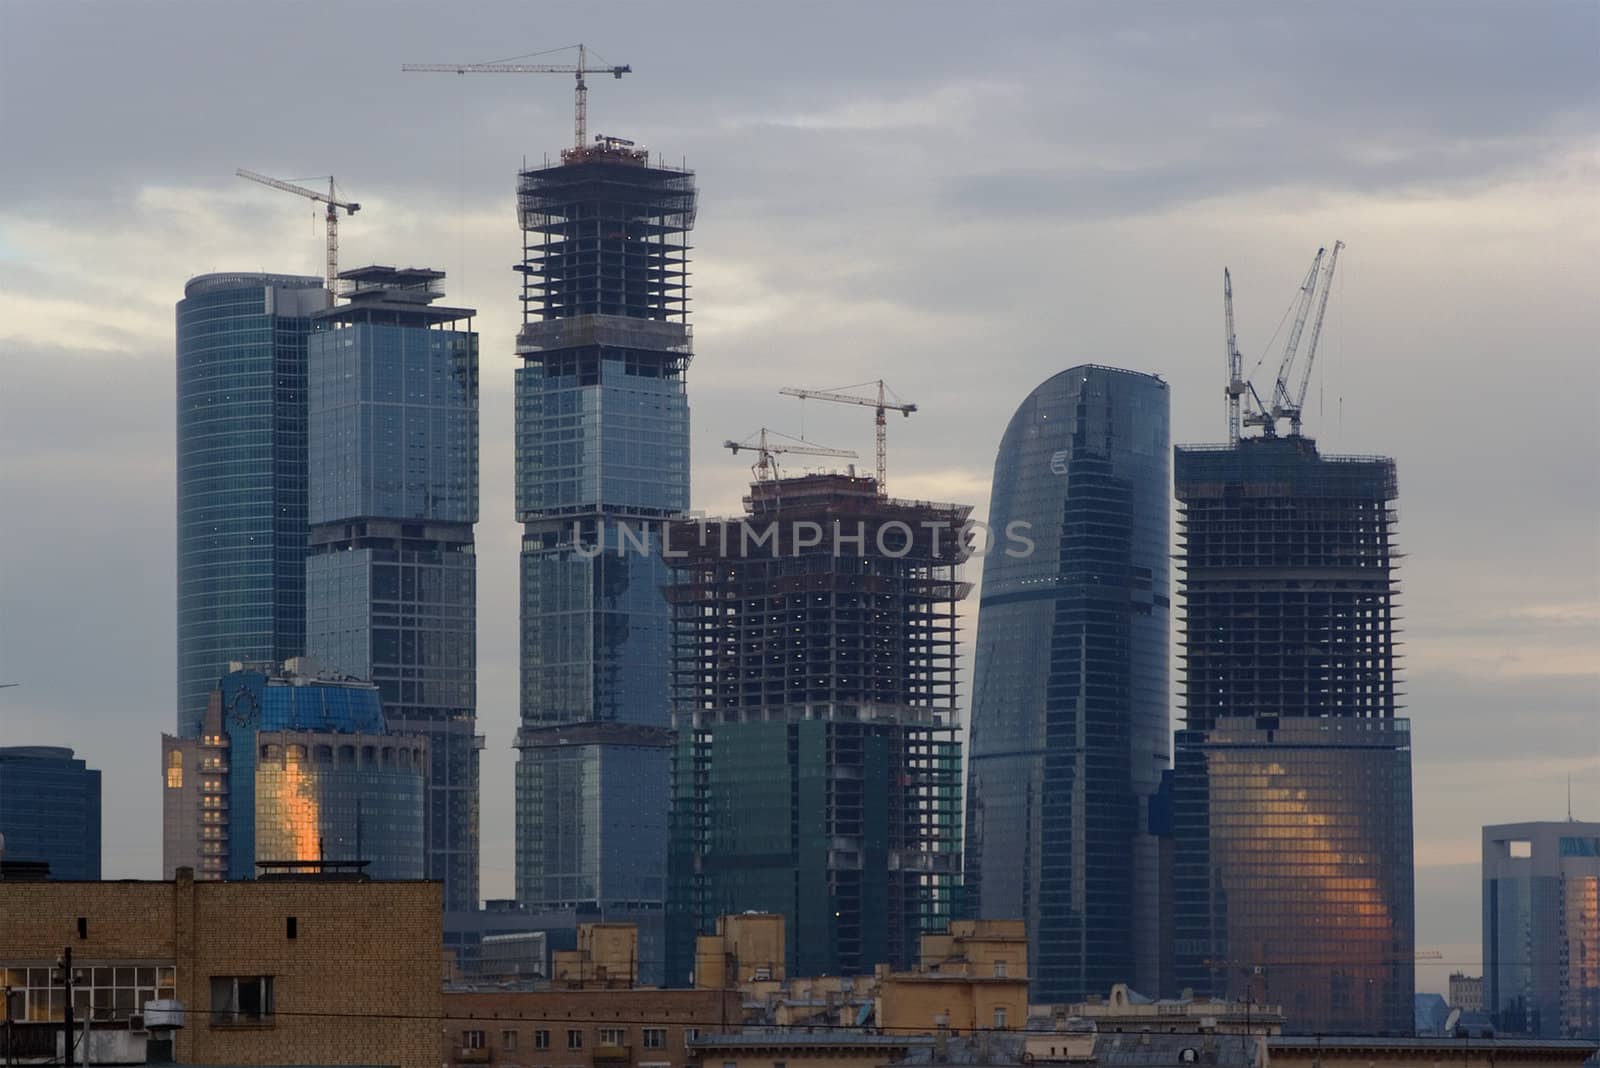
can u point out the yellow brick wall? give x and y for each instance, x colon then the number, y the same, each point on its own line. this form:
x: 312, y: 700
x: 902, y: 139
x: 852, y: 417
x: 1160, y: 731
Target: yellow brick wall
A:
x: 358, y: 985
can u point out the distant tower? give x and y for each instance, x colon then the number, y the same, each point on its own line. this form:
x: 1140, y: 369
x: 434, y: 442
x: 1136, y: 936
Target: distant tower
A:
x: 817, y: 772
x: 50, y: 810
x: 241, y: 475
x: 1292, y: 787
x: 1541, y: 928
x: 391, y: 580
x: 1069, y: 732
x: 602, y: 439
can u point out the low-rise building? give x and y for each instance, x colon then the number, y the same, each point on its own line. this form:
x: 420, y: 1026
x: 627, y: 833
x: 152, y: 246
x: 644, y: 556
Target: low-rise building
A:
x: 587, y: 1027
x: 1360, y: 1051
x: 1125, y: 1009
x: 279, y: 971
x: 974, y: 977
x: 1466, y: 992
x: 779, y: 1047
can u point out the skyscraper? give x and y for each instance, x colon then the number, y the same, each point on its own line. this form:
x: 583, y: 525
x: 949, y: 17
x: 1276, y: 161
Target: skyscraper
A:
x: 241, y: 355
x: 391, y: 577
x: 1069, y: 731
x: 1292, y: 795
x: 817, y: 772
x: 50, y: 810
x: 602, y: 431
x: 1541, y: 928
x: 292, y: 762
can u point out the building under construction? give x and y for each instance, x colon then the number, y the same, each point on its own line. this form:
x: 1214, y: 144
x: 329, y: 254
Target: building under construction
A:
x: 817, y: 772
x: 602, y: 453
x: 1292, y: 788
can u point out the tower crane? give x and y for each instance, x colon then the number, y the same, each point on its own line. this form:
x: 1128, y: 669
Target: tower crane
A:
x: 1266, y: 416
x: 1236, y: 384
x: 766, y: 465
x: 329, y: 198
x: 880, y: 402
x: 580, y: 109
x: 1293, y: 411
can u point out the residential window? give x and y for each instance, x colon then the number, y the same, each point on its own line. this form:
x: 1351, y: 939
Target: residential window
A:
x: 541, y: 1039
x: 241, y: 1000
x: 655, y: 1038
x: 999, y: 1018
x: 473, y: 1040
x: 508, y: 1040
x: 999, y: 969
x: 613, y: 1036
x: 174, y: 770
x: 574, y: 1038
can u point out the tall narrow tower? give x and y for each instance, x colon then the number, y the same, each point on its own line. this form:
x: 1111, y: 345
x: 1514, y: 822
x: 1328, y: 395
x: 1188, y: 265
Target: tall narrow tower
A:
x: 391, y: 591
x: 1069, y: 706
x: 241, y: 475
x: 1292, y: 797
x: 602, y: 438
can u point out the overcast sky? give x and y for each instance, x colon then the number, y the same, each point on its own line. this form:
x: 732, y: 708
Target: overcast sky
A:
x: 960, y: 198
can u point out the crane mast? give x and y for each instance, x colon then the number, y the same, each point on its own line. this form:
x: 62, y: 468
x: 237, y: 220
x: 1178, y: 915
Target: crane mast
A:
x: 1281, y: 401
x: 1316, y: 335
x: 331, y: 199
x: 880, y: 403
x: 580, y: 102
x: 1236, y: 384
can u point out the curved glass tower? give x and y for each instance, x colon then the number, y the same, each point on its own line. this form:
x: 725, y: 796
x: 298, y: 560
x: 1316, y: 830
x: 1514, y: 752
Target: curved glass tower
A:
x: 241, y: 475
x: 1069, y: 729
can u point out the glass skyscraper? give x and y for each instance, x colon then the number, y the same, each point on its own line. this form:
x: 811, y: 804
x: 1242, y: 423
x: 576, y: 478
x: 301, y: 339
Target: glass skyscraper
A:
x: 1069, y: 731
x: 1541, y: 928
x: 391, y: 576
x: 293, y: 763
x: 50, y: 810
x: 602, y: 457
x: 1292, y: 788
x: 241, y: 353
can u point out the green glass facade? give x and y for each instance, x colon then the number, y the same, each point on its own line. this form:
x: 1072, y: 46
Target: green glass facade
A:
x: 817, y: 770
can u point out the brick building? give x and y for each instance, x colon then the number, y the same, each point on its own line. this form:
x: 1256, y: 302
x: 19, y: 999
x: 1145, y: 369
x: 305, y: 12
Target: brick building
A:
x: 272, y: 971
x: 594, y: 1027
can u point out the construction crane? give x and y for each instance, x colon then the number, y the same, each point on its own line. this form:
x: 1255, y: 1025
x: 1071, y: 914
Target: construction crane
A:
x: 766, y: 465
x: 1293, y: 410
x: 880, y: 403
x: 580, y: 109
x: 330, y: 198
x: 1236, y: 384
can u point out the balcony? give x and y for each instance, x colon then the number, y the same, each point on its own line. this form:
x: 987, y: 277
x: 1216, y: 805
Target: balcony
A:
x: 472, y: 1055
x: 609, y: 1053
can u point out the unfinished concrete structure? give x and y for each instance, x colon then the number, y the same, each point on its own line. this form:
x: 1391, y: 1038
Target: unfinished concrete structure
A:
x: 817, y: 770
x: 1292, y: 787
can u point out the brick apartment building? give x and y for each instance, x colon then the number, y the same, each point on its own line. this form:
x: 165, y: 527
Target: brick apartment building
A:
x: 298, y: 970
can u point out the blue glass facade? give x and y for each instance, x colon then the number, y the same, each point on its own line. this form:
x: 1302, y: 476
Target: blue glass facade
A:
x: 294, y: 764
x: 1541, y: 928
x: 50, y: 810
x: 391, y: 578
x: 1069, y: 730
x: 602, y: 456
x: 241, y: 383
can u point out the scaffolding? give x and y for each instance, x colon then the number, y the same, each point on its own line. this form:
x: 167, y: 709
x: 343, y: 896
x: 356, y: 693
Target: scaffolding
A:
x: 1289, y: 594
x: 606, y: 233
x: 771, y: 627
x: 815, y: 695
